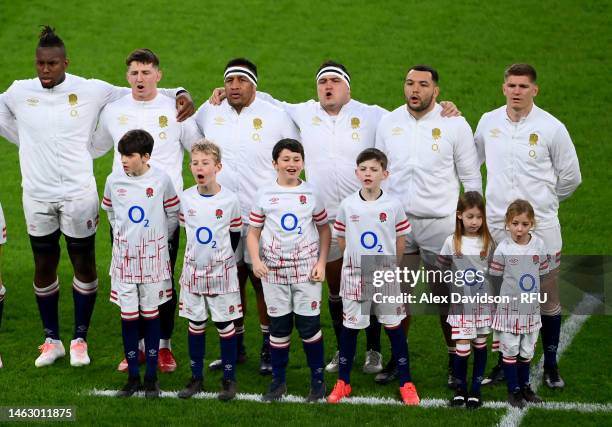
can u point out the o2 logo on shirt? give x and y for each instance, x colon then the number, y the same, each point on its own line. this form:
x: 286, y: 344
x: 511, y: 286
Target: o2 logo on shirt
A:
x: 369, y: 240
x: 527, y: 283
x: 289, y: 222
x: 204, y: 236
x: 136, y: 214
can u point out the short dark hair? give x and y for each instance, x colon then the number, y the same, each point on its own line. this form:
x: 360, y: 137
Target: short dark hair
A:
x: 244, y: 63
x: 136, y: 141
x: 290, y: 144
x: 330, y: 63
x: 48, y: 38
x: 521, y: 70
x: 421, y: 67
x: 373, y: 154
x: 144, y: 56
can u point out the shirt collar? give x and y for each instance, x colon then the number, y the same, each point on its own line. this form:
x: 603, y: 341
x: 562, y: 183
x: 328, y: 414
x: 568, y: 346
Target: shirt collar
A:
x: 523, y: 119
x: 434, y: 112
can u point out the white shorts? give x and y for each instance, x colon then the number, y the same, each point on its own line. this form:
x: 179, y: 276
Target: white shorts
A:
x: 132, y: 297
x: 428, y: 236
x: 302, y: 298
x: 469, y: 332
x: 523, y: 345
x: 387, y: 314
x: 76, y: 218
x: 222, y: 307
x: 2, y: 227
x: 334, y: 250
x: 550, y: 236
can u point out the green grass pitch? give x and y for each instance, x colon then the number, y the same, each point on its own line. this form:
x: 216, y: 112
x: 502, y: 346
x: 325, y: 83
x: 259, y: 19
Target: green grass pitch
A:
x: 470, y: 43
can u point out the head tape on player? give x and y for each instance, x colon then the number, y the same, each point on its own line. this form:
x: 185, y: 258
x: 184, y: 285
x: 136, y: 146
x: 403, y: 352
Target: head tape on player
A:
x: 334, y: 71
x: 240, y: 71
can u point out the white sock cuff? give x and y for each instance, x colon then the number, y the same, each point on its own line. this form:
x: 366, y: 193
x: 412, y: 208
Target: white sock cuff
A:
x: 228, y: 332
x: 47, y: 291
x: 463, y: 350
x: 479, y: 342
x: 85, y: 288
x: 265, y: 329
x: 197, y: 329
x: 280, y: 342
x: 316, y: 337
x: 554, y: 311
x: 149, y: 314
x: 2, y: 292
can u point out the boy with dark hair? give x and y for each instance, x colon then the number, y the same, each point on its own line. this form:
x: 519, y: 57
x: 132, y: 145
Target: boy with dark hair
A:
x: 289, y: 224
x: 142, y: 208
x: 369, y: 223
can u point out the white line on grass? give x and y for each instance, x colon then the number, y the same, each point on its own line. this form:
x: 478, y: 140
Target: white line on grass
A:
x: 513, y: 416
x: 569, y: 330
x: 364, y: 400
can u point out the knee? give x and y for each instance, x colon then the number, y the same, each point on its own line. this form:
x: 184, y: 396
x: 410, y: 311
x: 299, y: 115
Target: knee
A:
x: 81, y: 246
x: 281, y: 326
x: 45, y: 245
x: 307, y: 326
x: 83, y: 253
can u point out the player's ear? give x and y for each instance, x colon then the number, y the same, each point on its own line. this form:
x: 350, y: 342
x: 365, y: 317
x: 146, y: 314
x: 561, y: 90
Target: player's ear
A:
x: 536, y: 89
x: 219, y: 167
x: 385, y: 174
x: 159, y: 75
x: 459, y: 215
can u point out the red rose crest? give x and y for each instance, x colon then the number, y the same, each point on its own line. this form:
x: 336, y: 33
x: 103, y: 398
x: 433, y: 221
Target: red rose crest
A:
x: 536, y: 259
x: 219, y: 213
x: 231, y: 309
x: 313, y: 305
x: 383, y: 217
x: 303, y: 199
x: 149, y: 192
